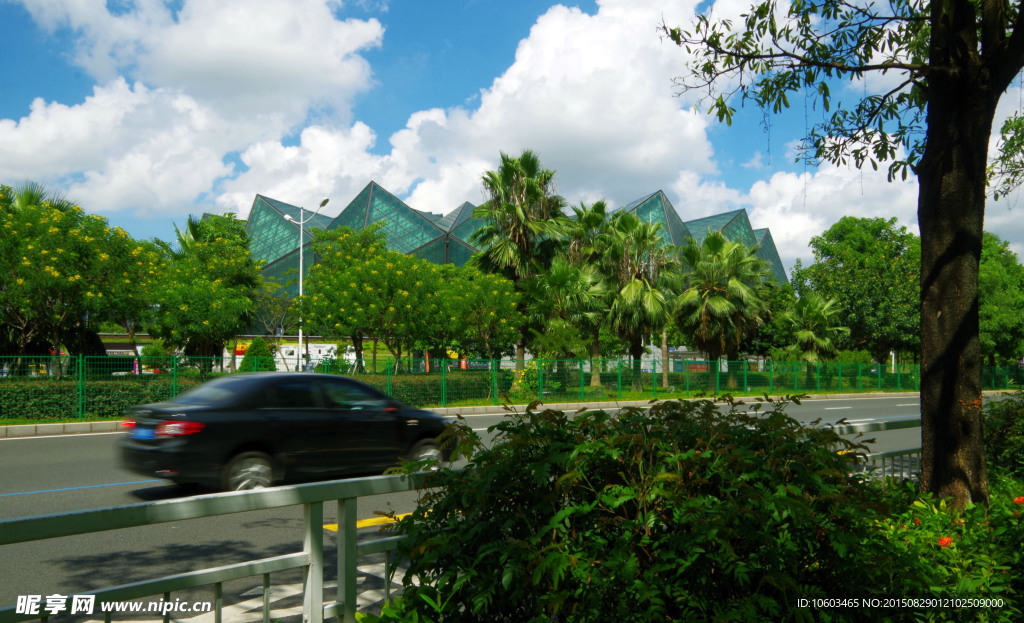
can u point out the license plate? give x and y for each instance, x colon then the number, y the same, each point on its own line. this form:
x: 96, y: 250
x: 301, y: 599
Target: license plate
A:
x: 143, y: 433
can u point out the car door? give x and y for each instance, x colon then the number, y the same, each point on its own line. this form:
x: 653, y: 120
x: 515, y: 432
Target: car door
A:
x: 305, y: 432
x: 373, y: 437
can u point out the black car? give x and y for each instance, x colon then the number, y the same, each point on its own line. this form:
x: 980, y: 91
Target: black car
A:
x: 246, y: 431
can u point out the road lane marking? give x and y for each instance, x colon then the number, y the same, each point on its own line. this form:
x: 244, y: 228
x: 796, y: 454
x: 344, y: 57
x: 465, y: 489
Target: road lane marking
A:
x: 909, y: 404
x: 365, y: 523
x: 836, y: 408
x: 113, y: 484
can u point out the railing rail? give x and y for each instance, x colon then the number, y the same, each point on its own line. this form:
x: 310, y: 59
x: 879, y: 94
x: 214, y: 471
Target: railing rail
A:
x: 311, y: 559
x: 905, y: 462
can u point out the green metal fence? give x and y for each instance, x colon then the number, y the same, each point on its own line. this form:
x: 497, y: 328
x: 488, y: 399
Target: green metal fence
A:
x: 78, y: 387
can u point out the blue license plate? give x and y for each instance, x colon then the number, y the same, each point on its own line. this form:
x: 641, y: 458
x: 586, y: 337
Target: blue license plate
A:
x: 143, y: 432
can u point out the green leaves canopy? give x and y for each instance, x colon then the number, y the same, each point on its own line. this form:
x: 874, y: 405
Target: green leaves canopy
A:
x: 871, y: 267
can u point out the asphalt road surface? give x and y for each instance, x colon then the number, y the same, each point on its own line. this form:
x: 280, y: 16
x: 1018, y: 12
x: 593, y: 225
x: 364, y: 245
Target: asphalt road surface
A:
x: 55, y: 474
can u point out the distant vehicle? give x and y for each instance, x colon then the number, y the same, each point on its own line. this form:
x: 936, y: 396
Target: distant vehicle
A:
x: 247, y: 431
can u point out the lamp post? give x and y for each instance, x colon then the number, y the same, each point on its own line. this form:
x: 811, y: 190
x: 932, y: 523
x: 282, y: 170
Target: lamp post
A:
x: 301, y: 224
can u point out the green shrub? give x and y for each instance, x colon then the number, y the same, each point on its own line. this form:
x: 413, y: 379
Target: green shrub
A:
x: 259, y: 357
x: 1004, y: 432
x: 676, y: 513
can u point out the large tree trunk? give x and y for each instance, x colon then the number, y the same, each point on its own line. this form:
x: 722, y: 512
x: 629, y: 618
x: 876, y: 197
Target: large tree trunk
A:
x: 951, y: 207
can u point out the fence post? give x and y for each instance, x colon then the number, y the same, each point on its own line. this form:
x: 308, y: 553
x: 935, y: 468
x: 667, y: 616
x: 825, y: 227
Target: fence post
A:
x: 387, y: 381
x: 686, y: 364
x: 839, y: 366
x: 654, y: 377
x: 771, y: 376
x: 618, y: 395
x: 859, y: 379
x: 540, y: 380
x: 796, y: 377
x: 880, y: 376
x: 899, y: 384
x: 746, y: 368
x: 718, y: 374
x: 582, y: 396
x: 80, y: 381
x: 444, y: 383
x: 313, y: 544
x: 174, y: 376
x: 494, y: 380
x: 817, y: 374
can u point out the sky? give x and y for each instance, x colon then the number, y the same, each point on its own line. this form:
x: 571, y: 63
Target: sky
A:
x: 147, y: 111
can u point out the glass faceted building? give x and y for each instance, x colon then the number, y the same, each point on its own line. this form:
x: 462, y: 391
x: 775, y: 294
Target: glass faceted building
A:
x: 445, y: 239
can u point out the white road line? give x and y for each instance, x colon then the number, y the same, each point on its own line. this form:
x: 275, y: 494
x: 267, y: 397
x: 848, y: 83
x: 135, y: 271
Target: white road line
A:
x: 836, y: 408
x: 909, y: 404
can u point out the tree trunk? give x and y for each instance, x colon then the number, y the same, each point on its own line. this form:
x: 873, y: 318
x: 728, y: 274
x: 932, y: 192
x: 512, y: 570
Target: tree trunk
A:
x: 636, y: 351
x: 950, y: 211
x: 595, y: 359
x: 664, y: 359
x: 357, y: 344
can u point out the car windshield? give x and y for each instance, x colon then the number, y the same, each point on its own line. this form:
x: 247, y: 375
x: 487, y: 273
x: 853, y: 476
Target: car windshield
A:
x: 216, y: 392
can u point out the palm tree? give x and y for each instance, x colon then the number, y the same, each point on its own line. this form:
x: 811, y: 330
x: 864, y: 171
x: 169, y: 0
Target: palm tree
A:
x: 722, y: 300
x: 567, y: 300
x: 639, y: 268
x: 815, y: 322
x: 523, y: 223
x: 586, y: 231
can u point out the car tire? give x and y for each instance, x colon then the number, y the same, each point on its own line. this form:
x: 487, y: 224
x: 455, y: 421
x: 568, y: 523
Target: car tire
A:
x: 249, y: 470
x: 426, y: 449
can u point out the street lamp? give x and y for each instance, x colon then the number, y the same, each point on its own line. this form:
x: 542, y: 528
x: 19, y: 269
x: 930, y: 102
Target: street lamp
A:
x: 301, y: 224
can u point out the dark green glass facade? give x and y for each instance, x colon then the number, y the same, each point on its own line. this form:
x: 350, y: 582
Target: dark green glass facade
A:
x: 445, y: 239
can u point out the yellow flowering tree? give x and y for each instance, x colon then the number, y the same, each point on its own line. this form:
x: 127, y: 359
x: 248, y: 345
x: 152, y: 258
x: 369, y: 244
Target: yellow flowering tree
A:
x: 330, y: 306
x: 58, y: 270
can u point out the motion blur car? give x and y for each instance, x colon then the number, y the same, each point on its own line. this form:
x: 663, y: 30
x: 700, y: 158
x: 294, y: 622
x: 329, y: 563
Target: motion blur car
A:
x: 247, y: 431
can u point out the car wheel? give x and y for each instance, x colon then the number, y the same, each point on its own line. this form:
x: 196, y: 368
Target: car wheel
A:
x: 249, y: 470
x: 426, y: 449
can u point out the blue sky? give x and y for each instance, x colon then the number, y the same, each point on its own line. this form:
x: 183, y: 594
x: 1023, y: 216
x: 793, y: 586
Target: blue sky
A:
x: 148, y: 111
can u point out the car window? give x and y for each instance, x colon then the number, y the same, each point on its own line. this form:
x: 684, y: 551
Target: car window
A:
x: 341, y: 395
x: 217, y: 392
x: 294, y: 394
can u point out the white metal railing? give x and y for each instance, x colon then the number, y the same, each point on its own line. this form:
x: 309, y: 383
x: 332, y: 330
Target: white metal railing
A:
x: 310, y: 559
x: 903, y: 463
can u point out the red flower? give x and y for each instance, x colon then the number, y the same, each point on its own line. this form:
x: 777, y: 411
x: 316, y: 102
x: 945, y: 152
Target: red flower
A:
x: 1019, y: 500
x: 917, y: 522
x: 945, y: 541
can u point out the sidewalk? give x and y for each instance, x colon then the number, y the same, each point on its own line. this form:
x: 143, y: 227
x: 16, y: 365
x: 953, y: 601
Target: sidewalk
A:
x: 110, y: 426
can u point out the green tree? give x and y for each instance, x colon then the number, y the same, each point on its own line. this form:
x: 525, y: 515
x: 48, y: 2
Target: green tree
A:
x: 871, y: 268
x: 775, y: 334
x: 208, y: 288
x: 639, y: 272
x: 491, y: 313
x: 585, y: 234
x: 946, y: 65
x: 332, y: 305
x: 273, y: 313
x: 815, y: 324
x: 523, y: 221
x: 1000, y: 302
x: 259, y: 357
x: 723, y: 295
x: 568, y: 303
x: 58, y: 268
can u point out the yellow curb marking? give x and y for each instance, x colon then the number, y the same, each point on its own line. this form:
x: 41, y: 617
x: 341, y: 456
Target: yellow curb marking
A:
x: 365, y: 523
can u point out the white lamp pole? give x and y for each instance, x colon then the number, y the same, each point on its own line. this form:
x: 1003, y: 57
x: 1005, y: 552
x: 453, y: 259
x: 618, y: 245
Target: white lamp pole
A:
x: 301, y: 223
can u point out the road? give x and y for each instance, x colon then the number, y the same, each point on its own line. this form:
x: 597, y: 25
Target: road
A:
x: 55, y: 474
